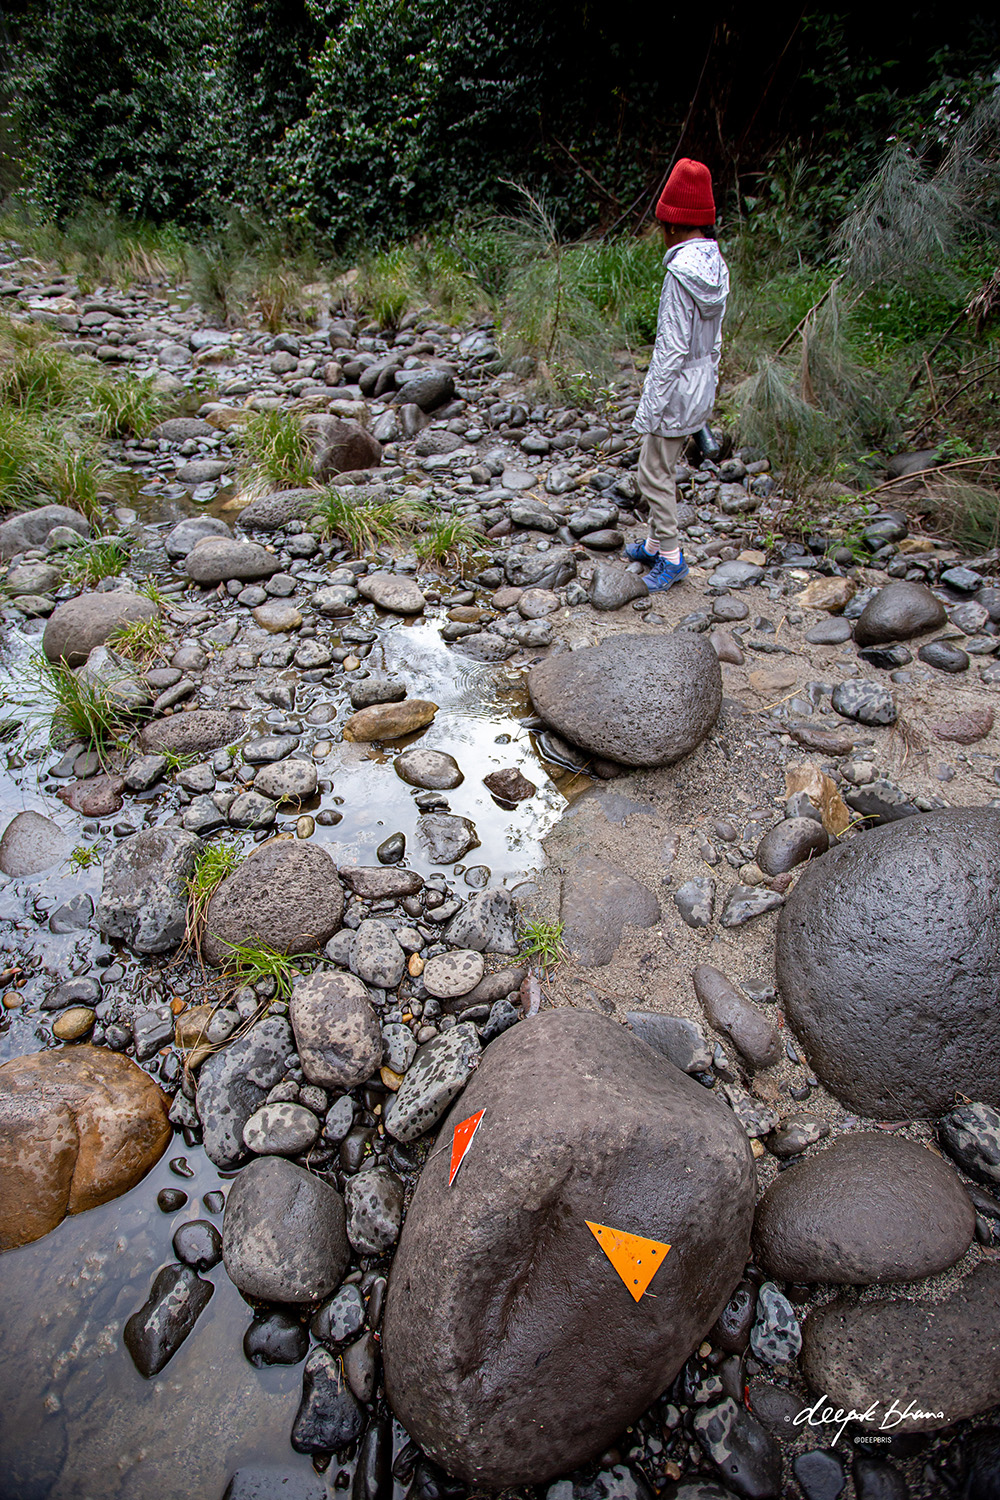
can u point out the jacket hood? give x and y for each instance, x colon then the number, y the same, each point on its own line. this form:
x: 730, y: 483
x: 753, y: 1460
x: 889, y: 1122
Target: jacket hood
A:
x: 701, y: 271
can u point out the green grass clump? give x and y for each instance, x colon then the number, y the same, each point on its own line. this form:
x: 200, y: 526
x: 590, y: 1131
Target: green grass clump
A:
x: 126, y: 407
x: 543, y: 941
x: 64, y: 705
x: 452, y: 540
x: 87, y: 565
x: 277, y: 454
x: 84, y: 856
x: 366, y: 525
x: 249, y: 963
x: 141, y: 642
x: 214, y: 864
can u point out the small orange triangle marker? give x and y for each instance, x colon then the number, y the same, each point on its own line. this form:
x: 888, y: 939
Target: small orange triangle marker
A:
x: 461, y: 1141
x: 636, y: 1260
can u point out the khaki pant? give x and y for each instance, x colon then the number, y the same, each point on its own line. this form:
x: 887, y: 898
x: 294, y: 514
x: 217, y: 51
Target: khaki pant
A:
x: 657, y: 466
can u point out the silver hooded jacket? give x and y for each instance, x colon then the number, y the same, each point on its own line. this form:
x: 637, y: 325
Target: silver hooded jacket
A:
x: 679, y: 390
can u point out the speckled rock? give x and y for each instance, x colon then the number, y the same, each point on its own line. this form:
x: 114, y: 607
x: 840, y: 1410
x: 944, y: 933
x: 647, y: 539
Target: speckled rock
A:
x: 374, y: 1203
x: 867, y: 702
x: 281, y: 1129
x: 286, y: 895
x: 439, y: 1072
x: 144, y: 896
x: 448, y: 975
x: 940, y: 1359
x: 582, y: 1122
x: 376, y: 956
x: 888, y: 963
x: 287, y: 780
x: 868, y: 1208
x: 233, y: 1084
x: 336, y: 1030
x: 432, y: 769
x: 970, y: 1134
x: 189, y: 532
x: 31, y: 843
x: 31, y: 528
x: 193, y: 733
x: 485, y: 923
x: 176, y: 1300
x: 283, y: 1236
x: 445, y: 837
x: 638, y: 700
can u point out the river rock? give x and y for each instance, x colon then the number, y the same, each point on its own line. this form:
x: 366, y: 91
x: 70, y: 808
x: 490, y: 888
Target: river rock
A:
x: 445, y: 837
x: 582, y: 1122
x: 868, y: 1208
x: 790, y: 842
x: 612, y: 586
x: 940, y: 1359
x: 235, y: 1082
x: 373, y: 1200
x: 272, y: 512
x: 187, y: 533
x: 154, y: 1334
x: 78, y: 625
x: 970, y: 1134
x: 389, y: 721
x: 485, y: 923
x: 966, y: 727
x: 376, y: 957
x: 144, y: 897
x: 682, y: 1042
x: 437, y: 1074
x: 632, y: 699
x: 751, y: 1033
x: 945, y: 656
x: 287, y: 780
x: 393, y: 591
x: 376, y: 689
x: 888, y: 956
x: 428, y: 388
x: 286, y: 895
x: 32, y: 843
x: 216, y: 559
x: 340, y: 447
x: 546, y: 570
x: 597, y: 901
x: 336, y: 1030
x: 78, y: 1126
x: 432, y: 769
x: 329, y: 1416
x: 280, y: 1129
x: 448, y: 975
x: 193, y: 733
x: 509, y: 785
x: 898, y: 612
x: 31, y: 528
x: 283, y: 1236
x: 742, y: 1450
x: 373, y: 883
x: 867, y: 702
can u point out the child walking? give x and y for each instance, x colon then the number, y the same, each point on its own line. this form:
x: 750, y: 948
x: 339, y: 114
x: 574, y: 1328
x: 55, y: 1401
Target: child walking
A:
x: 679, y: 390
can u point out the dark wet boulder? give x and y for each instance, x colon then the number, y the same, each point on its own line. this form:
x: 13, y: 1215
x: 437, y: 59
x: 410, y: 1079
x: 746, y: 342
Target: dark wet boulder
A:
x: 513, y: 1349
x: 283, y: 1237
x: 939, y: 1361
x: 154, y: 1334
x: 868, y: 1208
x: 77, y: 626
x: 144, y: 897
x: 340, y: 447
x: 888, y: 964
x: 898, y: 612
x: 233, y: 1084
x: 637, y: 700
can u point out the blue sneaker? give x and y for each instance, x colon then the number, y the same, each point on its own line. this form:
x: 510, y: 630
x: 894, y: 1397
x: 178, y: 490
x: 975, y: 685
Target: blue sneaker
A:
x: 665, y: 574
x: 638, y: 552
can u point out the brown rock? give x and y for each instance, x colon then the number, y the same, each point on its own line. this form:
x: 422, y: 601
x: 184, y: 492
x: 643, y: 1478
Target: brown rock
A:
x: 870, y: 1207
x: 277, y: 615
x: 388, y: 721
x: 509, y: 785
x: 78, y: 1127
x: 726, y: 648
x: 78, y: 625
x: 286, y: 895
x: 770, y: 680
x: 749, y: 1030
x: 965, y: 728
x: 340, y: 447
x: 827, y: 593
x: 97, y: 797
x: 825, y: 741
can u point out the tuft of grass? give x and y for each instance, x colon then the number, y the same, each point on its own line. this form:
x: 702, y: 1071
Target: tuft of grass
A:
x: 543, y: 941
x: 251, y: 962
x: 84, y: 856
x: 65, y: 706
x: 126, y: 407
x: 178, y: 762
x: 141, y: 642
x: 214, y: 864
x: 366, y: 525
x: 277, y: 454
x: 967, y: 513
x: 40, y: 380
x: 452, y: 540
x: 87, y: 565
x: 79, y: 480
x: 277, y: 296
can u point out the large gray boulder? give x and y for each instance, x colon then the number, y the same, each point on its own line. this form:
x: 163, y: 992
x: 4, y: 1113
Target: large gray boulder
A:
x: 336, y: 1030
x: 513, y: 1349
x: 283, y: 1237
x: 75, y: 627
x: 640, y: 700
x: 938, y: 1361
x: 235, y: 1082
x: 31, y: 843
x: 179, y: 541
x: 286, y: 895
x: 144, y: 897
x: 31, y: 527
x: 888, y: 963
x: 868, y: 1208
x: 216, y: 559
x: 271, y: 512
x: 193, y: 733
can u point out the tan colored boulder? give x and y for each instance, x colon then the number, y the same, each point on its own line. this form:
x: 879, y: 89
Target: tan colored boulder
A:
x: 78, y: 1127
x: 387, y: 721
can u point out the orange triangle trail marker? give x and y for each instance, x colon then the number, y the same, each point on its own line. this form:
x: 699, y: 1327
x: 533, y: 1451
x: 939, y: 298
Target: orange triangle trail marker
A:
x: 636, y: 1260
x: 462, y: 1140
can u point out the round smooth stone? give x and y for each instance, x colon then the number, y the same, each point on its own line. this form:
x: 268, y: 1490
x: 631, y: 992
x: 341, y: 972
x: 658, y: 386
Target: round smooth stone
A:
x: 945, y: 656
x: 449, y: 975
x: 199, y: 1244
x: 74, y: 1023
x: 281, y: 1129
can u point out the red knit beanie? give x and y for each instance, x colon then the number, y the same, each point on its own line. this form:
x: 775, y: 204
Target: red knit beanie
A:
x: 687, y: 197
